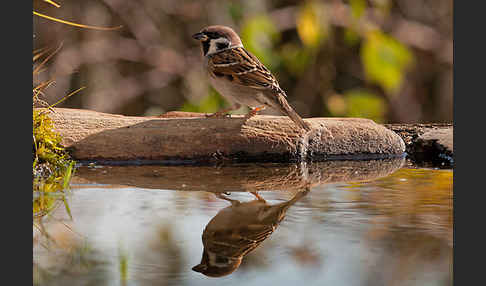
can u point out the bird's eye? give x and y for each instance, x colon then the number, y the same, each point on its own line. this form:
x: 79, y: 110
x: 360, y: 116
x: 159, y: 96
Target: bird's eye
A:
x: 222, y: 45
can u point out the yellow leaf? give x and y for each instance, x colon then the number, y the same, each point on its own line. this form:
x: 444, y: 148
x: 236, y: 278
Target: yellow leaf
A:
x: 311, y: 26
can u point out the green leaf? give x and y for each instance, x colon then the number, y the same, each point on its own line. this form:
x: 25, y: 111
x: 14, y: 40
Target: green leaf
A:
x: 209, y: 104
x: 365, y: 104
x: 351, y: 37
x: 259, y: 35
x: 385, y: 60
x: 295, y: 59
x: 68, y: 174
x: 66, y: 205
x: 358, y: 7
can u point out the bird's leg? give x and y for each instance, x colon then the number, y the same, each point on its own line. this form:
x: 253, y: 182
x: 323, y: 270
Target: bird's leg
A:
x: 301, y: 194
x: 260, y: 198
x: 224, y: 112
x: 254, y: 111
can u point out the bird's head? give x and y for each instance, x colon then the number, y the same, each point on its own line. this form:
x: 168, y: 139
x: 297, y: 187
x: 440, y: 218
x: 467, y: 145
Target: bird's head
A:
x: 214, y: 265
x: 217, y: 38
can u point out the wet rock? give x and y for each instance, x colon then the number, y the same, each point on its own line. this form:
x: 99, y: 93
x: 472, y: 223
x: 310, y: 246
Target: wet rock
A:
x: 427, y: 144
x: 442, y: 137
x: 436, y: 147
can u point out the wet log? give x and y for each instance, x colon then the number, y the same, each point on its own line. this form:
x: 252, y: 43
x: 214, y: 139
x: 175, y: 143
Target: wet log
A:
x: 191, y: 138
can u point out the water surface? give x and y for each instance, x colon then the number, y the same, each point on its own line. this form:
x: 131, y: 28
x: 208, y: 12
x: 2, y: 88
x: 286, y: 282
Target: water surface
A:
x: 378, y: 222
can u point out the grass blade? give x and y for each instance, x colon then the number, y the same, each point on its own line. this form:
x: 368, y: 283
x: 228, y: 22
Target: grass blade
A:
x: 53, y: 3
x: 76, y: 24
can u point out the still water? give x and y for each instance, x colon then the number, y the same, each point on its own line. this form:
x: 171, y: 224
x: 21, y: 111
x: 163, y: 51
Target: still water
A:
x: 379, y: 222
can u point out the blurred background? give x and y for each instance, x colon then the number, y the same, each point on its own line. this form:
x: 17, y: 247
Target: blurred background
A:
x: 387, y: 60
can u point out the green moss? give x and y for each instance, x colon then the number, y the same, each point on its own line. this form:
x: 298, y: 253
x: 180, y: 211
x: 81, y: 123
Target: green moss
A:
x: 52, y: 166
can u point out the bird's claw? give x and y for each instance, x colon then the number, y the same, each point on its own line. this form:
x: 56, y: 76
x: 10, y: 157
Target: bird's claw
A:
x: 254, y: 111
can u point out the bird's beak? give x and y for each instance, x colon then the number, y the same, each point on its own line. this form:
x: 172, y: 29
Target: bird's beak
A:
x: 200, y: 36
x: 199, y: 268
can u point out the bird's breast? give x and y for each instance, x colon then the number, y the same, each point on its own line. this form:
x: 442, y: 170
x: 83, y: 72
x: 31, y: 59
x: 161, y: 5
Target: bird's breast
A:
x: 238, y: 93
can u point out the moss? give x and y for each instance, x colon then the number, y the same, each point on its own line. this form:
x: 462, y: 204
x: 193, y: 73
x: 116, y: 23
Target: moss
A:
x: 52, y: 166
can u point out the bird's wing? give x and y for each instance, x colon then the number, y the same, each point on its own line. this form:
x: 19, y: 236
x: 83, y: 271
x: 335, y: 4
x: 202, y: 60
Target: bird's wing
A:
x: 241, y: 67
x: 238, y: 242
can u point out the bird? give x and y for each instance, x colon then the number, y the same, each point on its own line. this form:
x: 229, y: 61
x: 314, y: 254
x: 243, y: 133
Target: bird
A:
x: 240, y: 77
x: 237, y: 230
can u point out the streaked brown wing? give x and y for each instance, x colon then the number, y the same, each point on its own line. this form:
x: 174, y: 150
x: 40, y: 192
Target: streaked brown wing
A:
x: 241, y: 67
x: 238, y: 242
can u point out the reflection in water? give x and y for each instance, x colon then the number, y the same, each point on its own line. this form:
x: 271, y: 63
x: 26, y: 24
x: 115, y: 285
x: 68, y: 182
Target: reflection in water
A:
x: 237, y: 230
x: 404, y: 257
x: 65, y: 256
x: 357, y: 226
x: 241, y: 177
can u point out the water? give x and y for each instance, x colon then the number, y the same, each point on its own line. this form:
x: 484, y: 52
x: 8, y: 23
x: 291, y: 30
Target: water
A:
x: 337, y: 223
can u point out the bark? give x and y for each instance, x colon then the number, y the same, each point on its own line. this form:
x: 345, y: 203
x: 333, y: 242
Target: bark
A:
x: 189, y: 138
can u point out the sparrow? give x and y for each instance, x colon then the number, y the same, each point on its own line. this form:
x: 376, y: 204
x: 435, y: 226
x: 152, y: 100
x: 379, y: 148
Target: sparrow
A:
x: 237, y: 230
x: 240, y: 77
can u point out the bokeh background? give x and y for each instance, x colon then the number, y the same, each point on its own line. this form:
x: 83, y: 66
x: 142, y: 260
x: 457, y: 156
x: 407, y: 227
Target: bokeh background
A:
x: 388, y: 60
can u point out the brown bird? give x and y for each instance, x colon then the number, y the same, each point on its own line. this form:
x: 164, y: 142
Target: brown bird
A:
x: 238, y: 229
x: 240, y: 77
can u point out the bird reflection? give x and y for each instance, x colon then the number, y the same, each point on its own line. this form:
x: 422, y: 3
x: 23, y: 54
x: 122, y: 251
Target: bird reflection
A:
x: 237, y: 230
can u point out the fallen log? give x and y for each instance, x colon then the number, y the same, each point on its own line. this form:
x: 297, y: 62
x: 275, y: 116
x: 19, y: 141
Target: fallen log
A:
x: 181, y: 137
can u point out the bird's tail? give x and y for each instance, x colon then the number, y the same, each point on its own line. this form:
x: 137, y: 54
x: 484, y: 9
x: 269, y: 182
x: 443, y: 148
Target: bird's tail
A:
x: 290, y: 112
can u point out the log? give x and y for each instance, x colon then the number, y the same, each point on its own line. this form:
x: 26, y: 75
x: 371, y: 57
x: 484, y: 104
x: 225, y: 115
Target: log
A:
x: 191, y: 138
